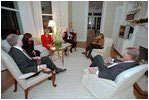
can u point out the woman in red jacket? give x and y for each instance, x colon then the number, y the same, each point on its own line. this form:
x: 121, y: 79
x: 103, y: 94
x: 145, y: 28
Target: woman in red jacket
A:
x: 47, y: 40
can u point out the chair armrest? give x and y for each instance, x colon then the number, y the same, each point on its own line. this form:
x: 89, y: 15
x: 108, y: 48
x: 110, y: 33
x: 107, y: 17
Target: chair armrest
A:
x: 44, y: 51
x: 24, y: 76
x: 39, y: 47
x: 95, y: 76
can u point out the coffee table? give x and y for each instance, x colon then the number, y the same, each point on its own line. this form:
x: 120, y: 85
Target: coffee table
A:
x: 61, y: 49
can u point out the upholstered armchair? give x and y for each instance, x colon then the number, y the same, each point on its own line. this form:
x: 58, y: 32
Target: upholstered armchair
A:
x: 20, y: 78
x: 106, y: 51
x: 26, y: 84
x: 121, y: 87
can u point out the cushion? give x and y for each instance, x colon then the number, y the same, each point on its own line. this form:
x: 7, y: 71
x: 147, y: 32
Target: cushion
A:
x: 5, y: 46
x: 24, y: 76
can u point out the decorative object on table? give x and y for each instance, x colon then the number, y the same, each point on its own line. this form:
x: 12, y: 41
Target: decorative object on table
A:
x: 130, y: 16
x: 134, y: 10
x: 57, y: 38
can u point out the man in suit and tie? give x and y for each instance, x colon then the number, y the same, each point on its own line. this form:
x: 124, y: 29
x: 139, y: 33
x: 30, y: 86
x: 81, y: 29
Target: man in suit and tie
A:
x: 70, y: 37
x: 111, y: 71
x: 25, y: 62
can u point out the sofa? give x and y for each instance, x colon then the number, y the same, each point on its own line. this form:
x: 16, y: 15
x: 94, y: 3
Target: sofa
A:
x: 106, y: 51
x: 120, y: 88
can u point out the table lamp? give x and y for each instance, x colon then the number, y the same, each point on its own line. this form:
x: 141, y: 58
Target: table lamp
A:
x: 52, y: 24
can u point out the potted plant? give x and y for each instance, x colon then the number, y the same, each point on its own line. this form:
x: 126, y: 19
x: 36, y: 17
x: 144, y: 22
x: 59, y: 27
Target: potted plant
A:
x: 57, y: 39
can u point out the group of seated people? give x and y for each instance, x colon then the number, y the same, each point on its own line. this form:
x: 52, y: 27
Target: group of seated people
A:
x: 29, y: 60
x: 69, y: 36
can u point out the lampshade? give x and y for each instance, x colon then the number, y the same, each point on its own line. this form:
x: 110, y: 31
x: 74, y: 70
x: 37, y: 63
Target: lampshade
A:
x: 51, y: 23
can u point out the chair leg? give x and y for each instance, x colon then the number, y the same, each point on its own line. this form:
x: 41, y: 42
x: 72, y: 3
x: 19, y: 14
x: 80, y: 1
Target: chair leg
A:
x: 15, y: 86
x: 26, y: 93
x: 53, y: 78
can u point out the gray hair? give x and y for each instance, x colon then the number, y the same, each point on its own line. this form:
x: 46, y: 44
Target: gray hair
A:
x: 133, y: 52
x: 12, y: 39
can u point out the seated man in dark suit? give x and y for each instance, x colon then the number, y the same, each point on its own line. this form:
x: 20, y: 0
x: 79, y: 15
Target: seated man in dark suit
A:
x: 111, y: 71
x: 25, y: 62
x: 70, y: 37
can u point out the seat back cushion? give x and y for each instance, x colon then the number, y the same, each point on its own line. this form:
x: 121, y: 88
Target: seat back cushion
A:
x: 10, y: 64
x: 5, y: 46
x: 130, y: 76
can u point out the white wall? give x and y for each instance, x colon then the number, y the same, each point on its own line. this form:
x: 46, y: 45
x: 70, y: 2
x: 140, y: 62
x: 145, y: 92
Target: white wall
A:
x: 60, y: 13
x: 139, y: 37
x: 80, y: 18
x: 108, y: 14
x: 116, y: 23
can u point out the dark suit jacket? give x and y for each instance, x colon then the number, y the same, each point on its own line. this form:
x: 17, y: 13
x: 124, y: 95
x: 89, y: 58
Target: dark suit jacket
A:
x: 111, y: 73
x: 25, y: 64
x: 65, y: 38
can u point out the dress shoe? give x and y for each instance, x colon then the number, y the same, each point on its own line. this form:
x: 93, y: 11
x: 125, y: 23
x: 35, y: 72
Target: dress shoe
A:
x: 60, y: 70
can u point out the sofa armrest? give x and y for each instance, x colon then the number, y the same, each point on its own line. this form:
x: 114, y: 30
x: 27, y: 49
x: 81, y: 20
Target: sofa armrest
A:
x: 44, y: 51
x: 95, y: 76
x: 24, y: 76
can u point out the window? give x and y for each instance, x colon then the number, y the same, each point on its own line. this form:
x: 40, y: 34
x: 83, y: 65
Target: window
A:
x: 10, y: 19
x: 46, y: 12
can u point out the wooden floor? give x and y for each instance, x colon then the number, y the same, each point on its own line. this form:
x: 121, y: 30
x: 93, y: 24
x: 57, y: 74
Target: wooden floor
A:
x: 7, y: 79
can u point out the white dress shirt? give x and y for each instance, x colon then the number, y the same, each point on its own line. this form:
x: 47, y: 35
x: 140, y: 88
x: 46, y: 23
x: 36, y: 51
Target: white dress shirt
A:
x: 22, y: 51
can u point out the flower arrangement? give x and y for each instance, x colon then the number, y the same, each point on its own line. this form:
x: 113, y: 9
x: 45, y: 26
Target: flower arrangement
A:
x: 57, y: 38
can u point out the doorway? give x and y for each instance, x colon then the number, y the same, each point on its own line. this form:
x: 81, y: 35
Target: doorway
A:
x: 94, y: 19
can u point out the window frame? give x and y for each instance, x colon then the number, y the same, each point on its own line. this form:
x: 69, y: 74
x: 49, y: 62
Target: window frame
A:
x: 15, y: 10
x: 45, y: 14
